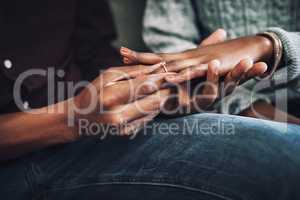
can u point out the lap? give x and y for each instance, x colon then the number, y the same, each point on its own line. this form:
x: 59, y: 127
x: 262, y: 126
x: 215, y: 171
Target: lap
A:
x: 207, y: 155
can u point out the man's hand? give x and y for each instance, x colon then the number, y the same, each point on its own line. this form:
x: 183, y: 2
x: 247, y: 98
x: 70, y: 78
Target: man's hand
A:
x: 129, y: 96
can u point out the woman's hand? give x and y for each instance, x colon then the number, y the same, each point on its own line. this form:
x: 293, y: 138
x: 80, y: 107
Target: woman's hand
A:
x: 194, y: 63
x: 123, y: 96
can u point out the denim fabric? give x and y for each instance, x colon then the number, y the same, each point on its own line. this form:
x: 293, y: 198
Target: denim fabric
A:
x: 208, y: 156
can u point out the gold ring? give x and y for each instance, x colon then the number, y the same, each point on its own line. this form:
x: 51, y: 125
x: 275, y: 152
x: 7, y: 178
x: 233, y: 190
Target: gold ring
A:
x: 164, y: 65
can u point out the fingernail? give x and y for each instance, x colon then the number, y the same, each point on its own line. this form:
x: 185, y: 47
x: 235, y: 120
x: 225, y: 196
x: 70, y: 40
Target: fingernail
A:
x: 125, y: 50
x: 215, y: 66
x: 126, y: 60
x: 223, y: 31
x: 265, y: 68
x: 248, y: 62
x: 216, y: 63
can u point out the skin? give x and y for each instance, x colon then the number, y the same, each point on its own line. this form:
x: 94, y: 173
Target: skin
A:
x: 120, y: 107
x: 256, y: 48
x: 247, y: 59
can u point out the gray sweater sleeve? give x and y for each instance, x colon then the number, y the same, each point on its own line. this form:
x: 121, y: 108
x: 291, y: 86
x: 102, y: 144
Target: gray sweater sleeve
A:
x: 170, y: 26
x: 291, y: 54
x: 286, y: 75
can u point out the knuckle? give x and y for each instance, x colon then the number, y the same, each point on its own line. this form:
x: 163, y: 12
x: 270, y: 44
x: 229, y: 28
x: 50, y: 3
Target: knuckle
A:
x: 172, y: 65
x: 213, y: 97
x: 183, y: 102
x: 147, y: 88
x: 208, y: 101
x: 107, y: 102
x: 109, y: 70
x: 107, y: 97
x: 163, y: 56
x: 114, y: 70
x: 141, y: 67
x: 115, y: 119
x: 242, y: 68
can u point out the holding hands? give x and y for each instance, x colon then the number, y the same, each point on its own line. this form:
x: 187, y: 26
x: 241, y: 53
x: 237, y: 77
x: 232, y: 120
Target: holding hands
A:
x: 235, y: 61
x: 125, y: 97
x: 133, y: 95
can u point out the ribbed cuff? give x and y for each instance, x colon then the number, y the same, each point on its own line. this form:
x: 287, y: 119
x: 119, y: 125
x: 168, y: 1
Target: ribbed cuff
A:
x: 291, y: 51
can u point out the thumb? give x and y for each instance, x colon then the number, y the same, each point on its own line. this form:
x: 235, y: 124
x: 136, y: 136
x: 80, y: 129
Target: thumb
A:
x: 218, y: 36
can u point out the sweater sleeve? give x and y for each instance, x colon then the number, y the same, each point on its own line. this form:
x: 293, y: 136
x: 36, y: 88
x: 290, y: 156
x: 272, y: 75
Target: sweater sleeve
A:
x: 291, y: 54
x: 283, y: 80
x: 170, y: 26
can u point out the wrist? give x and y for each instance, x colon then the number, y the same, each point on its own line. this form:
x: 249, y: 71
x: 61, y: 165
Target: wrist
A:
x: 265, y: 49
x: 277, y: 52
x: 77, y: 116
x: 66, y: 122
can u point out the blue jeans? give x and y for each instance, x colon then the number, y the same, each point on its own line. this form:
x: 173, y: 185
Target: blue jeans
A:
x: 204, y: 156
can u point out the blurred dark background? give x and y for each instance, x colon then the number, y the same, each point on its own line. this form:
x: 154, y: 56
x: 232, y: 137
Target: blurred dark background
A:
x: 128, y: 16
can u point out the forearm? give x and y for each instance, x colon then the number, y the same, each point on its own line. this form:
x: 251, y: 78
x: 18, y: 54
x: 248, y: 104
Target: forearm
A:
x: 21, y: 133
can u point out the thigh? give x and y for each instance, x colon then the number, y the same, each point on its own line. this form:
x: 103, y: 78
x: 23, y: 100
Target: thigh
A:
x: 203, y: 156
x: 16, y: 179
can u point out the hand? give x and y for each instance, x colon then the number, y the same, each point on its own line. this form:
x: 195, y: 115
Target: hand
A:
x: 128, y: 96
x: 193, y: 63
x: 243, y: 71
x: 206, y: 93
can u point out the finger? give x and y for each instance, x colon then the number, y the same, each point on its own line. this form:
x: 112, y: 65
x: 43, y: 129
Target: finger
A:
x: 211, y: 88
x: 180, y: 65
x: 133, y: 57
x: 239, y: 71
x: 183, y: 96
x: 124, y: 92
x: 135, y: 126
x: 234, y: 77
x: 179, y: 101
x: 258, y: 70
x: 218, y: 36
x: 122, y: 73
x: 127, y: 113
x: 182, y: 104
x: 190, y: 73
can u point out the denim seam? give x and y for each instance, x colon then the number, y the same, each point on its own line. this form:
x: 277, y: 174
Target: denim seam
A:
x: 29, y: 178
x: 189, y: 188
x: 33, y: 179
